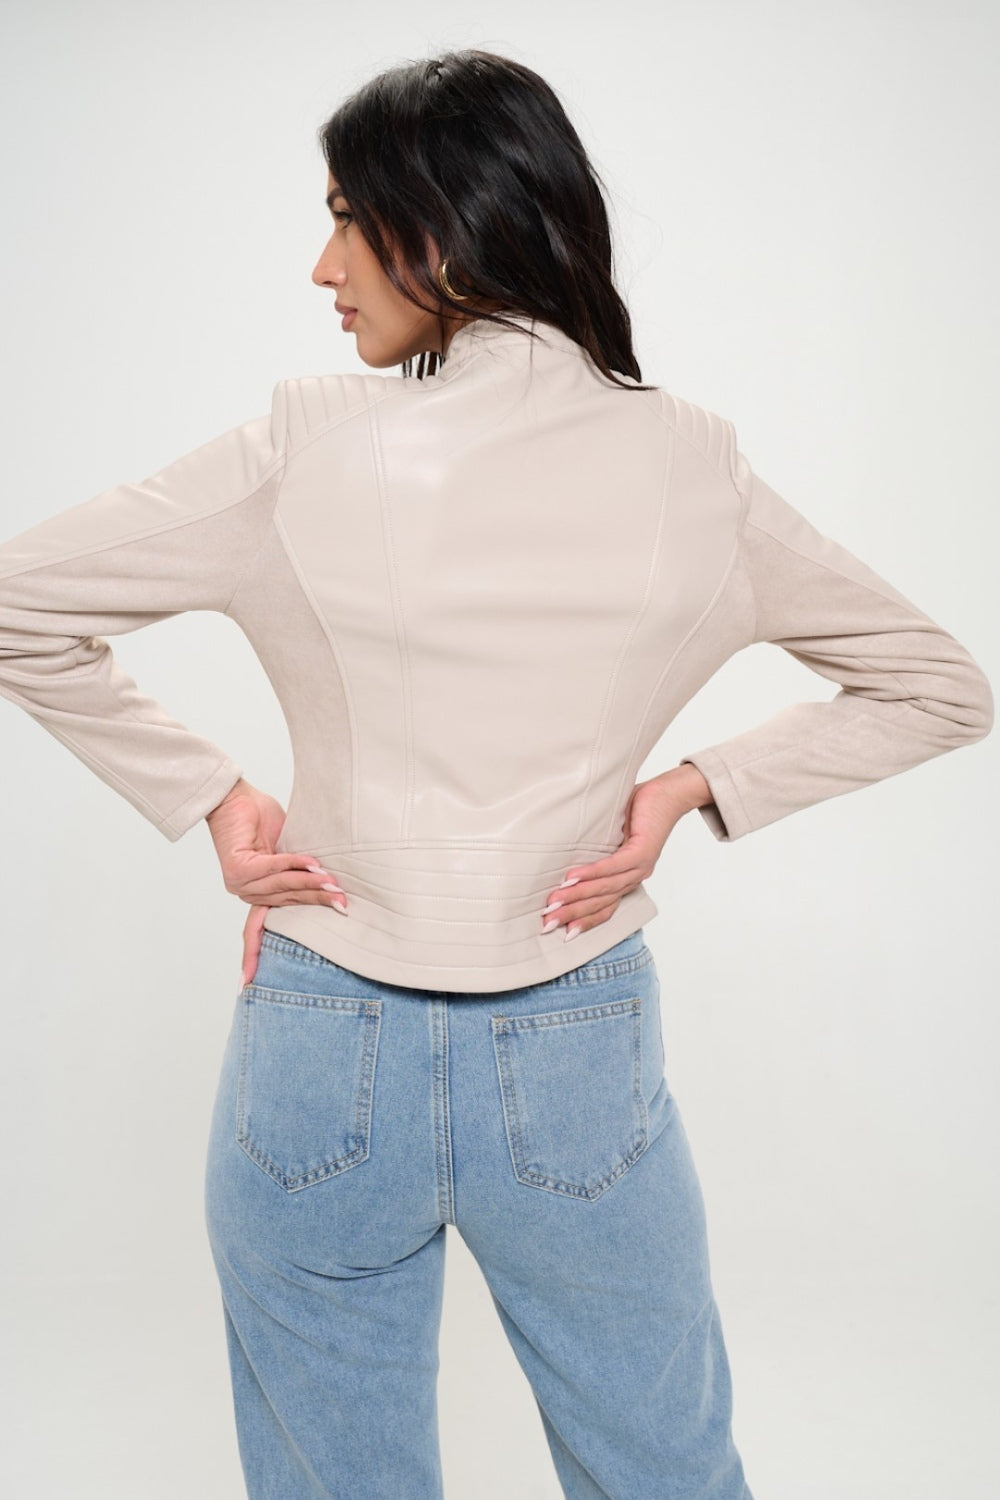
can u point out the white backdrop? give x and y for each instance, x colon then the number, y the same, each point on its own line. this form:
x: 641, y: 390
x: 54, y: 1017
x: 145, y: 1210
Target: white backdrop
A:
x: 805, y: 207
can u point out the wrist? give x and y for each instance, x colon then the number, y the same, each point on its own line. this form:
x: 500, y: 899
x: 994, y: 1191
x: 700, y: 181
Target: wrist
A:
x: 688, y: 786
x: 239, y: 788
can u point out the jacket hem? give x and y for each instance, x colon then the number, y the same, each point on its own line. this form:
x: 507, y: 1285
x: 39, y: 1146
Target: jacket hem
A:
x: 396, y: 961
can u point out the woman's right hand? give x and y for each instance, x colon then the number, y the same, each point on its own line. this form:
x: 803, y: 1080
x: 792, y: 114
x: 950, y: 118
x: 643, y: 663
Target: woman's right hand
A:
x: 653, y: 810
x: 245, y: 828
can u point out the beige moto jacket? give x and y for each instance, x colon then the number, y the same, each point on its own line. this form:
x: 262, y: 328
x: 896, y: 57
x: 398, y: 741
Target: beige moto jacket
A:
x: 481, y: 598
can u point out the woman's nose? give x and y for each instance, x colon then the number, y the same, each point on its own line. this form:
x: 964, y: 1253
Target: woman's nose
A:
x: 327, y: 271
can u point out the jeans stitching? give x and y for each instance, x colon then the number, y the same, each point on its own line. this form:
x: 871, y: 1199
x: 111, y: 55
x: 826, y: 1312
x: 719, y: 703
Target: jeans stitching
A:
x: 595, y: 971
x: 502, y: 1026
x: 566, y: 1017
x: 369, y: 1012
x: 369, y: 1051
x: 282, y: 944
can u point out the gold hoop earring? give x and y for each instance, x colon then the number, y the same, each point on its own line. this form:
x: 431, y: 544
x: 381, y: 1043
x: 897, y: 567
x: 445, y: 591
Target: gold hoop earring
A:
x: 446, y: 285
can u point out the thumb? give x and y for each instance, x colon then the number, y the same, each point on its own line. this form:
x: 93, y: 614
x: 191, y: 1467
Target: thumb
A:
x: 252, y: 929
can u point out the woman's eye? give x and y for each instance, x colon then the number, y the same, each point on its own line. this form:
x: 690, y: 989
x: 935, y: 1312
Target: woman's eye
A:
x: 341, y: 213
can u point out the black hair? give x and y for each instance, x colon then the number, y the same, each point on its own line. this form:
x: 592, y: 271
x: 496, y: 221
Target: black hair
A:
x: 477, y: 151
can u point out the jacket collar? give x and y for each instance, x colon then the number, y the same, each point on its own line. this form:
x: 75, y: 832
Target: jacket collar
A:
x: 470, y: 339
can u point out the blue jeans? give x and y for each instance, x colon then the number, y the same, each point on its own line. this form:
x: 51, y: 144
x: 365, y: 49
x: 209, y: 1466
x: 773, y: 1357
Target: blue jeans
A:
x: 354, y: 1121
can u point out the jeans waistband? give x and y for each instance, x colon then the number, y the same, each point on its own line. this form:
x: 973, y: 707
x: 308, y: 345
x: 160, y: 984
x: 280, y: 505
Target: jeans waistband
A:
x: 623, y: 957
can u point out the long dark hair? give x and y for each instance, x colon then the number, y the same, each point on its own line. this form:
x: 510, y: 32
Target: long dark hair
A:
x: 477, y: 151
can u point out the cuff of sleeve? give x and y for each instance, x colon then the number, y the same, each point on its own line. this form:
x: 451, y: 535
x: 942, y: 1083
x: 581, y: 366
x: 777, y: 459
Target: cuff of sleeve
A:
x: 208, y: 795
x: 725, y: 815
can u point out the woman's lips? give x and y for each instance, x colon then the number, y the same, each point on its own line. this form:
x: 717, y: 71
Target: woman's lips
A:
x: 348, y: 319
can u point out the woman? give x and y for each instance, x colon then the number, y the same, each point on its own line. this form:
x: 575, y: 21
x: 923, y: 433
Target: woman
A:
x: 482, y: 591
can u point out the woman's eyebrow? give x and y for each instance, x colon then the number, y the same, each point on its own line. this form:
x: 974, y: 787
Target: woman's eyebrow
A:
x: 333, y: 193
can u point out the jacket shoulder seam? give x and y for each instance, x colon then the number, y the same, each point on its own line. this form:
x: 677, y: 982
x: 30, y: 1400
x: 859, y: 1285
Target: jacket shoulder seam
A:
x: 142, y: 535
x: 359, y: 409
x: 723, y: 463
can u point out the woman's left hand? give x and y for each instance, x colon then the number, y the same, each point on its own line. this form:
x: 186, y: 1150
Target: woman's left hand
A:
x: 245, y: 829
x: 652, y: 812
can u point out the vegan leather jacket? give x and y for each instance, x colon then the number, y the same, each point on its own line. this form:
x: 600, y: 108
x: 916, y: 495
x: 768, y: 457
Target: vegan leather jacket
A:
x: 481, y: 598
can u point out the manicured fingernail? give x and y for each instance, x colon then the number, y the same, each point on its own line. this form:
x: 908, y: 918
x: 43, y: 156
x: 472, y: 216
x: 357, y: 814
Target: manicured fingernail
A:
x: 338, y: 905
x: 574, y: 881
x: 331, y: 888
x: 552, y: 922
x: 551, y: 907
x: 572, y: 932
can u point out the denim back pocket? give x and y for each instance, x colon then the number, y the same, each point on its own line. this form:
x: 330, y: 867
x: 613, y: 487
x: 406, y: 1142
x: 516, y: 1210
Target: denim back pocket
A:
x: 571, y: 1087
x: 307, y: 1073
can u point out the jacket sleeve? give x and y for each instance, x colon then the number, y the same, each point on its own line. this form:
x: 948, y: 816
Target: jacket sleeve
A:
x: 179, y: 540
x: 908, y: 690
